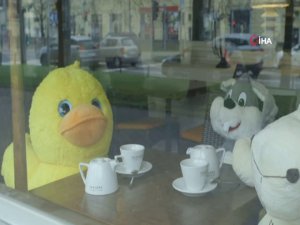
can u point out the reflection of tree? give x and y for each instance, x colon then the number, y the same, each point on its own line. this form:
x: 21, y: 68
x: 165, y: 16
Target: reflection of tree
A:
x: 288, y: 33
x: 44, y: 12
x: 220, y: 12
x: 127, y: 7
x: 40, y: 10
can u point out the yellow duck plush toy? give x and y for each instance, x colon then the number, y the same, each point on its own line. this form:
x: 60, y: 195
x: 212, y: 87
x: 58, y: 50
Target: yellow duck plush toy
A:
x: 70, y: 122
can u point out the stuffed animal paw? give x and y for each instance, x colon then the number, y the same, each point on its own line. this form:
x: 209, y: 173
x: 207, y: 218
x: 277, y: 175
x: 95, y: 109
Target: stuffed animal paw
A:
x: 241, y: 161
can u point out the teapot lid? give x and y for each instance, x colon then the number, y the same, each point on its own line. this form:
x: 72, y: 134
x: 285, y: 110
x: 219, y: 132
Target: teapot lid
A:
x: 203, y: 146
x: 101, y: 160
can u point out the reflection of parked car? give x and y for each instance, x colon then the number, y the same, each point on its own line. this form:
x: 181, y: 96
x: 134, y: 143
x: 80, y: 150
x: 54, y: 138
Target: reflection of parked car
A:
x: 130, y: 35
x: 240, y: 50
x: 235, y: 42
x: 82, y: 48
x: 236, y: 48
x: 117, y: 51
x: 168, y: 66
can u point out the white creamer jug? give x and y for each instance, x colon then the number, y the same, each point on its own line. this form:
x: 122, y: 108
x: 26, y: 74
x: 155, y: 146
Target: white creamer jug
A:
x: 209, y: 154
x: 101, y: 178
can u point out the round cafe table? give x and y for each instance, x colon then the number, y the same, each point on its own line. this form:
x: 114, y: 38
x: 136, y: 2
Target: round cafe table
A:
x: 153, y: 200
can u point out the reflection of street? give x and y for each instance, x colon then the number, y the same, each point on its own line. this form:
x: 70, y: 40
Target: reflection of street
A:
x: 31, y: 57
x: 274, y: 78
x: 147, y: 69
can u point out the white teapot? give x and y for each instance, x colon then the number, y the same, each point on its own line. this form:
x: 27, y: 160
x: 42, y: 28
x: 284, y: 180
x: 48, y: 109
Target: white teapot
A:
x: 209, y: 154
x: 101, y: 178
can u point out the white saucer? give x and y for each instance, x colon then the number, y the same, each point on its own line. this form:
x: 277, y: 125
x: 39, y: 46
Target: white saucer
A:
x: 145, y: 167
x: 179, y: 185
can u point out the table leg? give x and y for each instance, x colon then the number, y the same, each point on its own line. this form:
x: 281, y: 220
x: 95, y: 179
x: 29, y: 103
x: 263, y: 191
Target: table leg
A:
x: 172, y: 127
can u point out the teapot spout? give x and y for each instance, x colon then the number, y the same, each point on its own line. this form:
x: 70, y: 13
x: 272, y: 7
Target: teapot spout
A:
x: 188, y: 151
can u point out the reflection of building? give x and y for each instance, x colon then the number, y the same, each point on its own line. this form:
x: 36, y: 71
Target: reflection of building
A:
x: 102, y: 17
x: 204, y: 20
x: 184, y: 20
x: 3, y: 25
x: 168, y: 16
x: 207, y: 19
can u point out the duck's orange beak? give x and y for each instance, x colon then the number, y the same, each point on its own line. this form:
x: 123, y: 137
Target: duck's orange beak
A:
x: 83, y: 126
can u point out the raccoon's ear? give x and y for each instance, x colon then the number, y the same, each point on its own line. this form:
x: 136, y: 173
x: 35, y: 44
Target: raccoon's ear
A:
x: 260, y: 90
x: 269, y: 107
x: 227, y: 84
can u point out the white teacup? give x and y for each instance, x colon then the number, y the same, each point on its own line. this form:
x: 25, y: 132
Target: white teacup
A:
x: 194, y: 173
x: 132, y: 156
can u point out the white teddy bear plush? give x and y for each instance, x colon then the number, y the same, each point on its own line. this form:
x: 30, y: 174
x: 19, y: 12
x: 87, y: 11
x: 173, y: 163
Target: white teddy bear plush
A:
x: 274, y: 169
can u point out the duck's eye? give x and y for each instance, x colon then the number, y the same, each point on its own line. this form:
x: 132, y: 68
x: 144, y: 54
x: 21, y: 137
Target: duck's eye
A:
x: 95, y: 102
x: 242, y: 99
x: 64, y: 107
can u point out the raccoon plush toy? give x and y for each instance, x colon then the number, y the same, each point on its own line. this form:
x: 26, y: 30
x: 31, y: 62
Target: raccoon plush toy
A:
x: 246, y: 108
